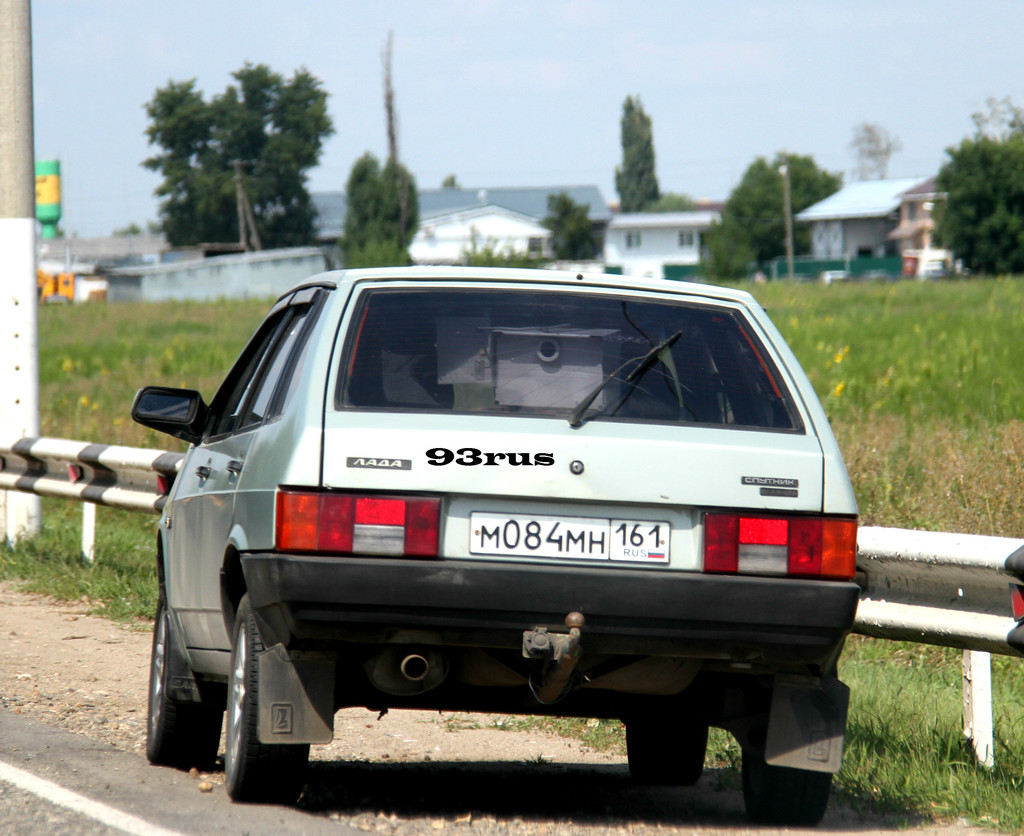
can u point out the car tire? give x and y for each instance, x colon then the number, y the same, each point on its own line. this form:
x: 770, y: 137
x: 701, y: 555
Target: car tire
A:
x: 255, y: 771
x: 666, y: 750
x: 178, y: 734
x: 784, y: 796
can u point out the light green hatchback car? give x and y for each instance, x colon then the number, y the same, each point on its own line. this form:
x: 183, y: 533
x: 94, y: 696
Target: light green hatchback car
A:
x: 507, y: 491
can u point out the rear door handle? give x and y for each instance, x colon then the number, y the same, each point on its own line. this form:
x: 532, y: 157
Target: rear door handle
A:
x: 235, y: 467
x: 203, y: 472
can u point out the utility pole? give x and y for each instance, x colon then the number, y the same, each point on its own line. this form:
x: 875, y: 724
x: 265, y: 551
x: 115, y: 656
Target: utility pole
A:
x: 19, y: 350
x: 392, y: 129
x: 788, y: 210
x: 248, y: 235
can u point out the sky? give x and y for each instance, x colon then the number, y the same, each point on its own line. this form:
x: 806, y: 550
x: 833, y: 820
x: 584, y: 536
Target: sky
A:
x: 529, y: 93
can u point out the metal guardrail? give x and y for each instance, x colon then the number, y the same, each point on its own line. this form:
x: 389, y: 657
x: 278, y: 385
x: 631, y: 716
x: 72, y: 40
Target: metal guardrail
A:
x: 952, y: 590
x: 946, y: 589
x: 102, y: 474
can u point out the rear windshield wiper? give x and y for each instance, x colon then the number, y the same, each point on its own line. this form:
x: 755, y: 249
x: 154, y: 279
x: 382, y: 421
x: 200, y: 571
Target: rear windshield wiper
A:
x: 646, y: 361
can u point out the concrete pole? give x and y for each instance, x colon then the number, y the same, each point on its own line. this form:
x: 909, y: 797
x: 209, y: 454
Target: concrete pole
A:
x: 788, y: 210
x: 19, y: 362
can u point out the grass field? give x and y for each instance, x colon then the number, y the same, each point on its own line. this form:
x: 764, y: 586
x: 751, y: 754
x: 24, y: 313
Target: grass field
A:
x: 923, y: 383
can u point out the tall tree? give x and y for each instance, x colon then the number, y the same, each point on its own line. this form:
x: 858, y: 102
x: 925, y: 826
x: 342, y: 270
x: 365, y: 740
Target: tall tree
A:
x: 873, y: 147
x: 275, y: 128
x: 572, y: 231
x: 378, y: 227
x: 752, y: 229
x: 635, y: 180
x: 982, y: 217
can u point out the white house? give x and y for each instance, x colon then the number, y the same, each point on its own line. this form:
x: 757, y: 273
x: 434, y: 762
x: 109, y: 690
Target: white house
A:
x: 454, y: 220
x: 444, y: 237
x: 657, y: 244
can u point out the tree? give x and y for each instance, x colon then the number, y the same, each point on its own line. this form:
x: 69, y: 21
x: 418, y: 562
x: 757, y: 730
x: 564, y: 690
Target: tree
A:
x: 275, y: 127
x: 752, y: 228
x: 572, y: 231
x: 672, y: 202
x: 1003, y: 120
x: 489, y: 255
x: 378, y: 231
x: 873, y: 147
x: 635, y: 180
x: 982, y: 217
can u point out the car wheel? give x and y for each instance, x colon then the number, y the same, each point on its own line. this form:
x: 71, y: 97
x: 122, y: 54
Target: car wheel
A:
x: 781, y: 795
x: 177, y: 734
x: 255, y: 771
x: 666, y: 750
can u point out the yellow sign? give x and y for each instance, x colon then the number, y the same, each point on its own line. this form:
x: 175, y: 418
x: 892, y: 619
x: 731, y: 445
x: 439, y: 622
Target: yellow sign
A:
x: 47, y: 189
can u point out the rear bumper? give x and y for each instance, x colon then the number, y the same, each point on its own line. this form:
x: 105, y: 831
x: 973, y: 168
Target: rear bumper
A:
x: 318, y: 602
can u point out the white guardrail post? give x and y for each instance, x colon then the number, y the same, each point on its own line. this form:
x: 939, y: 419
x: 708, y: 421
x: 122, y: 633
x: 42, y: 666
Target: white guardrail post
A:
x: 978, y: 729
x: 952, y: 590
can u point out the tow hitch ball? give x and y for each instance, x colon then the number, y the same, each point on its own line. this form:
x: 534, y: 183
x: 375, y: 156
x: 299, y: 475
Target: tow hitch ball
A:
x: 560, y: 653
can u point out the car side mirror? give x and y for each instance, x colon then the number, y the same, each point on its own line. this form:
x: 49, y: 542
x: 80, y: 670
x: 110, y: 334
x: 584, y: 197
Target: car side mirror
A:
x: 178, y: 412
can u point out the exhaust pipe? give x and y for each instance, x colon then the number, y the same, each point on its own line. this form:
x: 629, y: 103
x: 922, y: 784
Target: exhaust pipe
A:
x: 406, y: 671
x: 415, y: 667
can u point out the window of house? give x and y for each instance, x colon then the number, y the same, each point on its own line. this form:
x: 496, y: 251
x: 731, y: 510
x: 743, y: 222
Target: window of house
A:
x: 632, y: 240
x: 687, y: 238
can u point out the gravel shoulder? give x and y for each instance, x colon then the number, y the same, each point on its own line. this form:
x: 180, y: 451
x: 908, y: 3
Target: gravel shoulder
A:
x: 408, y: 772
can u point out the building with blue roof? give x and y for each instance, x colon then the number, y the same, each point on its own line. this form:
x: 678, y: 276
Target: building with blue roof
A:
x: 857, y: 221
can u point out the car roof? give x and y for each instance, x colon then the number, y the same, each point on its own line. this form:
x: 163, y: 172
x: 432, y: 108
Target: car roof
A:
x: 337, y: 278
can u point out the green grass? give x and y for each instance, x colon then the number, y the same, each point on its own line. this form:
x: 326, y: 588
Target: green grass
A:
x: 924, y: 388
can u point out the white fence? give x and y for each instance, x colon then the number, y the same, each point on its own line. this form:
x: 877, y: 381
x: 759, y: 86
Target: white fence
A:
x: 952, y: 590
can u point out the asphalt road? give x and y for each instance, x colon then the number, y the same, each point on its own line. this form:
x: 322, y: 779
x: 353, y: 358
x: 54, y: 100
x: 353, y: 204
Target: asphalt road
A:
x: 54, y: 782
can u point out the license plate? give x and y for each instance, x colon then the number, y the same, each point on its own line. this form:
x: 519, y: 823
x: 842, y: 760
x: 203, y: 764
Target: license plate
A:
x: 585, y: 538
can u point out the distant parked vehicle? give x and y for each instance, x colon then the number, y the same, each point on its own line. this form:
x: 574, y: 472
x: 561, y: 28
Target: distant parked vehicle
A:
x: 877, y: 275
x: 829, y: 276
x: 508, y: 491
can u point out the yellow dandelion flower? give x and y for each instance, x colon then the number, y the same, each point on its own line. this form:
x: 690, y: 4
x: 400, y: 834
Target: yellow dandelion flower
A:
x: 68, y: 365
x: 84, y: 401
x: 840, y: 386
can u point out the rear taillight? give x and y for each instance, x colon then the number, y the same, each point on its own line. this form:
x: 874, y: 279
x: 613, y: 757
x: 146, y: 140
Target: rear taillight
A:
x: 338, y: 523
x: 822, y: 547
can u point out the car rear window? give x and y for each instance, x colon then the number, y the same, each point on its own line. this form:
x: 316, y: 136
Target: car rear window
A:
x: 545, y: 353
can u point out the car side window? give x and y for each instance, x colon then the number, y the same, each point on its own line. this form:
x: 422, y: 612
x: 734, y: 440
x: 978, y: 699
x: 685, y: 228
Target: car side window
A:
x: 247, y: 396
x: 261, y: 405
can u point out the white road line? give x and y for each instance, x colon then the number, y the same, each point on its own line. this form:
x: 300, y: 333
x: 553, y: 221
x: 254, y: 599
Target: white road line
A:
x: 56, y: 794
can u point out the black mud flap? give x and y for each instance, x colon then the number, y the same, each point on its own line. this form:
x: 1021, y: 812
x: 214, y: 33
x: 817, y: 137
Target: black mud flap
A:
x: 807, y: 723
x: 181, y: 681
x: 296, y: 696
